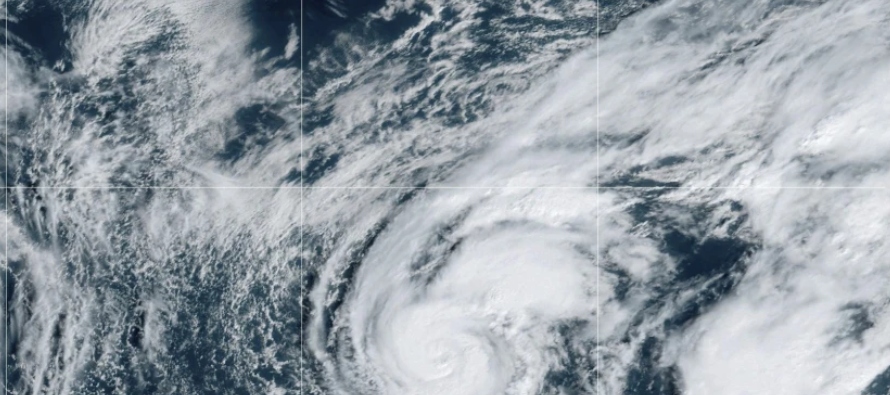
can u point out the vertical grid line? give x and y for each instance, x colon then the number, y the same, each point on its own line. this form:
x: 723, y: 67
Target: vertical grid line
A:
x: 6, y: 199
x: 597, y: 359
x: 300, y: 164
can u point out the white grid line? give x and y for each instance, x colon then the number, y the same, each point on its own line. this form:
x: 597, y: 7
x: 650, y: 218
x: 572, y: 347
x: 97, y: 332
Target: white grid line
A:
x: 503, y: 187
x: 302, y: 189
x: 596, y: 354
x: 6, y: 198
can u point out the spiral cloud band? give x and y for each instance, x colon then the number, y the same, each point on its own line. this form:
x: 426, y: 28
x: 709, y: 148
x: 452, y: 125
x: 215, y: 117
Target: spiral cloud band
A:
x: 461, y: 295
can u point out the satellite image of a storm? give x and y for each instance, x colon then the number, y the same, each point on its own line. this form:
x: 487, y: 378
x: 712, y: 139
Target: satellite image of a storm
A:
x: 445, y: 197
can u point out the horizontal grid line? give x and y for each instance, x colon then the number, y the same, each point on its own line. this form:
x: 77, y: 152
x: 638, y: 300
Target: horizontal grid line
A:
x: 464, y: 187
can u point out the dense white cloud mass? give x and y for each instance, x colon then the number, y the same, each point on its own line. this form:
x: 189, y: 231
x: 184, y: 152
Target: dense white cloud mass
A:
x: 779, y: 291
x: 498, y: 203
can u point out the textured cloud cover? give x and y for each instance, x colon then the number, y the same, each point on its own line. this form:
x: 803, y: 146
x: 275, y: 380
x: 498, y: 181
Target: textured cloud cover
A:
x: 691, y: 272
